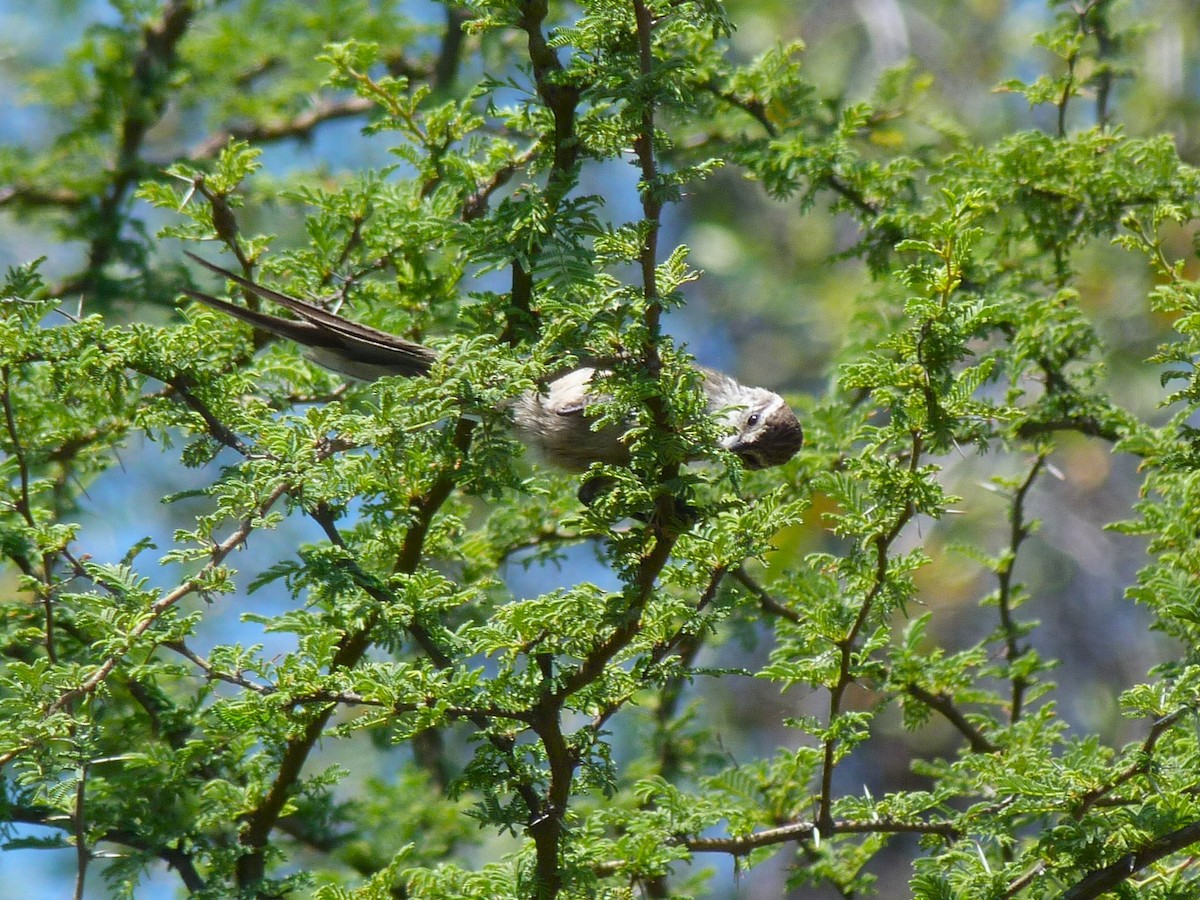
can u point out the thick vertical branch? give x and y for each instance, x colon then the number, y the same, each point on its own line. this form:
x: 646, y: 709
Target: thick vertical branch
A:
x: 1106, y: 48
x: 83, y: 854
x: 687, y: 645
x: 148, y: 93
x: 547, y: 832
x: 18, y: 451
x: 561, y: 99
x: 445, y: 67
x: 1068, y: 91
x: 546, y: 829
x: 643, y: 147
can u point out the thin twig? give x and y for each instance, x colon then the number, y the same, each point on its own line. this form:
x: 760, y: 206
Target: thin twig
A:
x: 1140, y: 766
x: 299, y: 126
x: 945, y: 705
x: 1018, y: 531
x: 768, y: 603
x: 79, y: 823
x: 882, y: 544
x: 803, y: 831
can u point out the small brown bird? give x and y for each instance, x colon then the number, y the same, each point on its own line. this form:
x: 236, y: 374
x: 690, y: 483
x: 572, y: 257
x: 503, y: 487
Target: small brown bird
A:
x: 762, y: 429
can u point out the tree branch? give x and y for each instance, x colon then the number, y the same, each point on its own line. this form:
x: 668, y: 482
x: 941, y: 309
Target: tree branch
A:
x: 882, y: 543
x: 768, y: 603
x: 1018, y: 532
x: 177, y: 859
x: 150, y: 84
x: 302, y: 125
x: 561, y: 99
x: 1140, y: 766
x: 945, y: 705
x: 1104, y: 880
x: 251, y: 867
x: 803, y: 831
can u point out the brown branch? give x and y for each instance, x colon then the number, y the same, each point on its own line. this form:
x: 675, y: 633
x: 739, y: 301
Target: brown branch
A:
x: 804, y: 831
x: 686, y: 641
x: 561, y: 99
x: 752, y: 106
x: 216, y: 556
x: 28, y: 195
x: 593, y: 664
x: 840, y: 186
x: 258, y: 824
x: 83, y: 855
x: 1104, y: 77
x: 643, y: 148
x: 425, y: 641
x: 547, y: 830
x: 301, y: 125
x: 768, y: 603
x: 214, y: 674
x: 217, y: 429
x: 1015, y: 887
x: 353, y: 240
x: 547, y: 536
x: 24, y: 506
x: 667, y: 647
x: 172, y: 856
x: 756, y: 110
x: 162, y: 716
x: 1104, y: 880
x: 349, y: 698
x: 686, y: 644
x: 1085, y: 425
x: 1140, y: 766
x: 1067, y: 90
x: 476, y: 205
x: 71, y: 447
x: 445, y: 67
x: 945, y: 705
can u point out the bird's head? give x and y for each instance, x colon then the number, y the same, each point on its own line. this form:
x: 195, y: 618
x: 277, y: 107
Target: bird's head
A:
x: 764, y: 431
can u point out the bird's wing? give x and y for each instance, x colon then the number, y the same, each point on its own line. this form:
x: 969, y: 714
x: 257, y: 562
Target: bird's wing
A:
x: 568, y: 395
x: 348, y: 347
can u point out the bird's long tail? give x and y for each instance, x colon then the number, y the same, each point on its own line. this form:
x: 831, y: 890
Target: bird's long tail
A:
x: 332, y: 341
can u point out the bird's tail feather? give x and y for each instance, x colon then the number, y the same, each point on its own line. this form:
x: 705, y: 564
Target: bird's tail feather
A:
x: 337, y: 343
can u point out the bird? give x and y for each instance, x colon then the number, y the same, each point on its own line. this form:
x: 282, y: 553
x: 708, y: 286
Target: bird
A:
x: 555, y: 421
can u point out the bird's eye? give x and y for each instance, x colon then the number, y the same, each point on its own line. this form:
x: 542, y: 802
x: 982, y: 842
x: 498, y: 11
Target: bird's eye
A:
x: 753, y: 420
